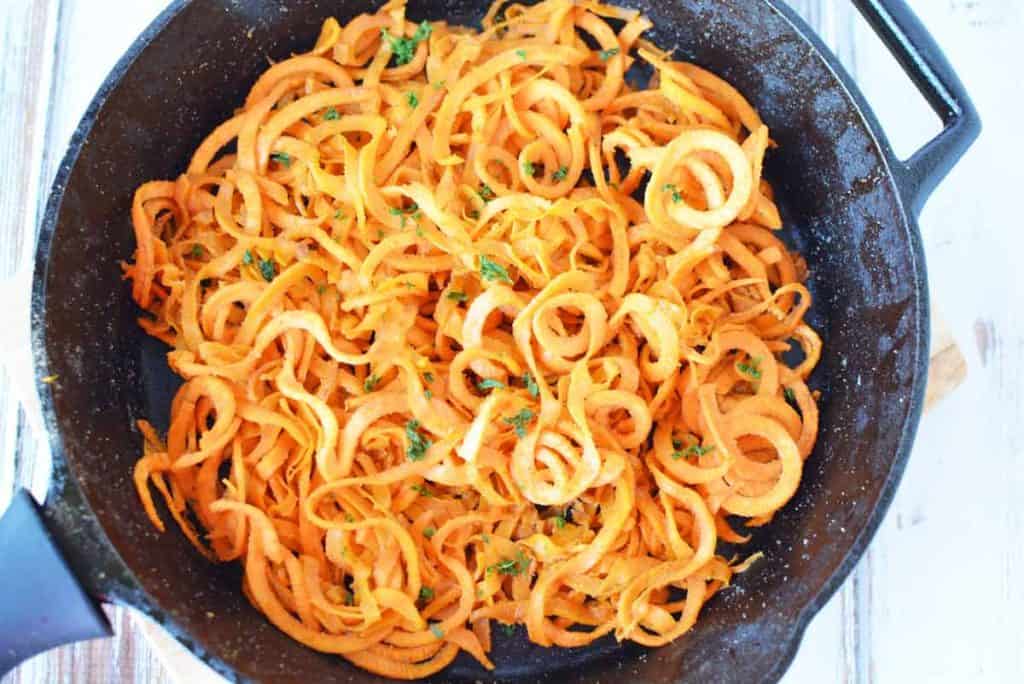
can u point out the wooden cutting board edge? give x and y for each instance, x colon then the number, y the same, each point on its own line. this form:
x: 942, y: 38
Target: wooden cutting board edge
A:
x: 947, y: 371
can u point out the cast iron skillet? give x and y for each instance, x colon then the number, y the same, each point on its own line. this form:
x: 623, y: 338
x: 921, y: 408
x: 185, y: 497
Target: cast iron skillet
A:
x: 850, y: 205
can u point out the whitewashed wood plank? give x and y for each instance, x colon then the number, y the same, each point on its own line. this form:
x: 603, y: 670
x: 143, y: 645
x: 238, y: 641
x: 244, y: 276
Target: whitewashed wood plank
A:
x: 945, y: 603
x: 27, y: 28
x: 79, y: 51
x: 75, y: 95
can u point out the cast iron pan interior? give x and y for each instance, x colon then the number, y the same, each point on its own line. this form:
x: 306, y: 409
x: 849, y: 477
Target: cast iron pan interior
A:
x: 843, y: 213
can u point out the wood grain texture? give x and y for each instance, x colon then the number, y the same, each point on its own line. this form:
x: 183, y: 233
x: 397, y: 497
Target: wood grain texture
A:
x: 934, y: 600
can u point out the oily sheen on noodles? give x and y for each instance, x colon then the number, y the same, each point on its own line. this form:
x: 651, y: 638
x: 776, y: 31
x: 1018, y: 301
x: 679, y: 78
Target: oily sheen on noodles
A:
x: 475, y: 333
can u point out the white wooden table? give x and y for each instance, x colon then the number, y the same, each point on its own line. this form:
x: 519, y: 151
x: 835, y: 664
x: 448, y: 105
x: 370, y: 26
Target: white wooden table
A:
x: 937, y: 598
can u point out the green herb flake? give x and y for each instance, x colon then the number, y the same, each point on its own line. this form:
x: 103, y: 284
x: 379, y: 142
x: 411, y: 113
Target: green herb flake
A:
x: 412, y: 99
x: 197, y: 251
x: 605, y: 55
x: 519, y: 421
x: 426, y: 594
x: 456, y: 296
x: 676, y: 195
x: 693, y: 450
x: 508, y: 628
x: 339, y: 215
x: 321, y: 288
x: 677, y: 443
x: 560, y: 521
x: 371, y: 383
x: 789, y: 394
x: 485, y: 192
x: 418, y: 444
x: 427, y: 394
x: 429, y: 532
x: 282, y: 158
x: 473, y: 214
x: 422, y: 490
x: 428, y: 376
x: 331, y: 114
x: 268, y: 269
x: 531, y: 385
x: 529, y: 169
x: 247, y: 257
x: 751, y: 369
x: 486, y: 538
x: 512, y: 566
x: 521, y: 53
x: 561, y: 174
x: 436, y: 630
x: 489, y: 384
x: 404, y: 49
x: 492, y: 270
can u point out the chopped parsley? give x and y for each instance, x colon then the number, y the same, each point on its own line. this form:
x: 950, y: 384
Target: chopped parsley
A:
x: 339, y: 215
x: 418, y: 444
x: 457, y: 296
x: 197, y: 251
x: 509, y: 628
x: 428, y: 394
x: 751, y: 369
x: 371, y: 383
x: 605, y: 55
x: 671, y: 187
x: 429, y: 532
x: 531, y: 385
x: 489, y: 384
x: 426, y: 594
x: 422, y: 490
x: 560, y: 174
x: 282, y: 158
x: 405, y: 48
x: 521, y: 53
x: 321, y: 288
x: 511, y: 566
x: 485, y: 192
x: 529, y: 169
x: 428, y: 376
x: 473, y: 214
x: 436, y: 630
x: 693, y: 450
x: 560, y: 521
x: 677, y: 443
x: 412, y: 99
x: 331, y: 114
x: 247, y: 257
x: 492, y: 270
x: 268, y: 269
x: 789, y: 394
x: 519, y: 421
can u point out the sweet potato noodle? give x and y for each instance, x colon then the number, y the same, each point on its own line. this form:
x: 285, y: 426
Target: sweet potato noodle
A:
x: 476, y: 332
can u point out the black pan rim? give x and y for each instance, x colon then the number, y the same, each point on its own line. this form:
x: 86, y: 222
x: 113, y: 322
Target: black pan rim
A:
x: 141, y: 601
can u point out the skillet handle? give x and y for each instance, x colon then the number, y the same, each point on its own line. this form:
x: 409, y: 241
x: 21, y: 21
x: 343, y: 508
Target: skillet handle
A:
x: 922, y: 59
x: 42, y: 605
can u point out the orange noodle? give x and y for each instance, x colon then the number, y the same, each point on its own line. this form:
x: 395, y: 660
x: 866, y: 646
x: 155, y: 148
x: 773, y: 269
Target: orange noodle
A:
x: 473, y: 331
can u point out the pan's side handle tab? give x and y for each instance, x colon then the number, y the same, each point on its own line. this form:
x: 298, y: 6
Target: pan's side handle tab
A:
x: 923, y: 60
x: 42, y: 605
